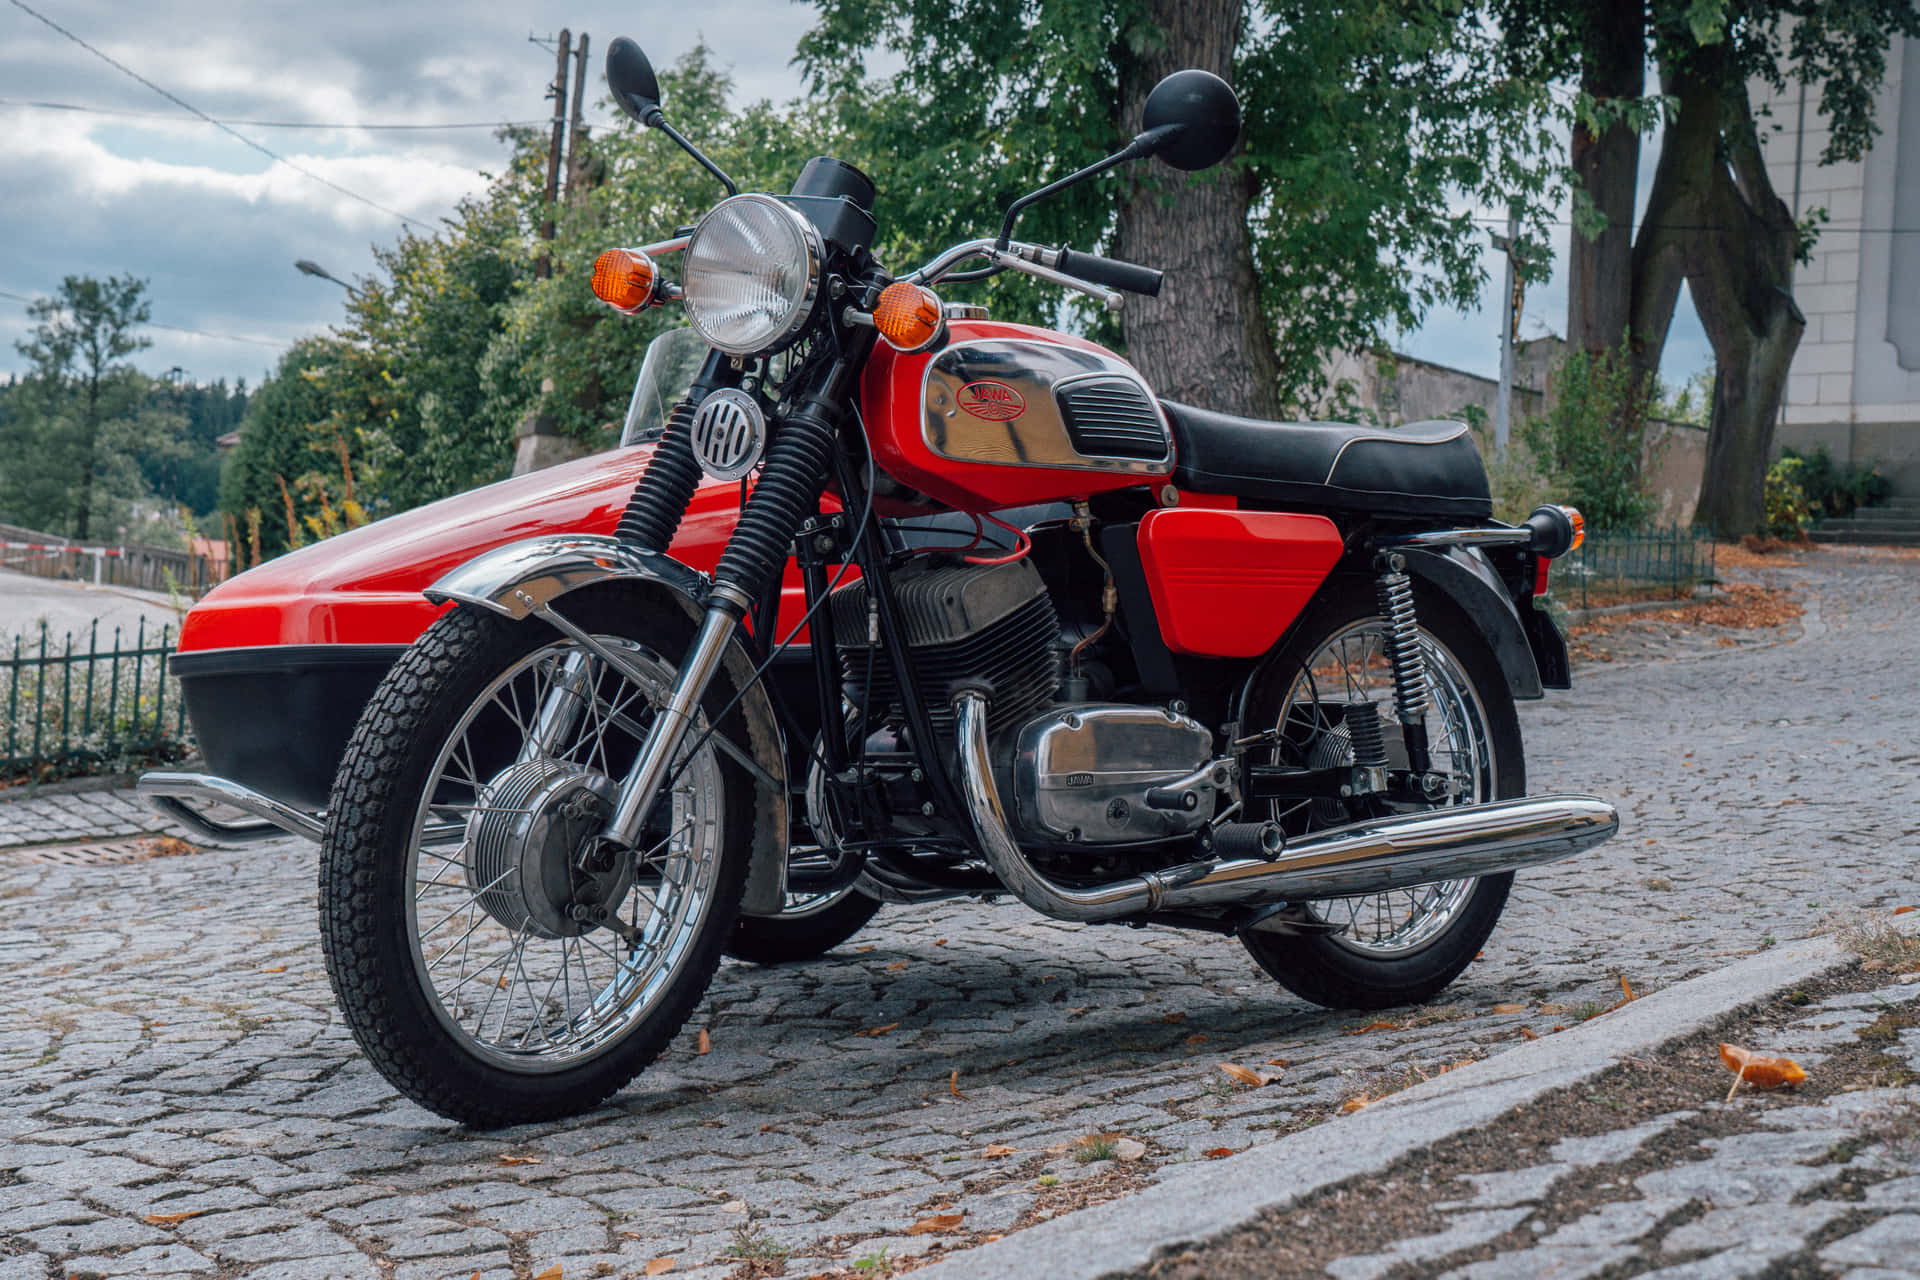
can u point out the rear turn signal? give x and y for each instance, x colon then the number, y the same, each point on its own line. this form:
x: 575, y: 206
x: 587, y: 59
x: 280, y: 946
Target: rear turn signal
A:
x: 909, y: 317
x: 624, y: 279
x: 1556, y: 530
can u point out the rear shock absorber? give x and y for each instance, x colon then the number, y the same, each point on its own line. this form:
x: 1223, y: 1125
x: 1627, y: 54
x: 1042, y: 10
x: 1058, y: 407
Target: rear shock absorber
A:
x: 1402, y: 644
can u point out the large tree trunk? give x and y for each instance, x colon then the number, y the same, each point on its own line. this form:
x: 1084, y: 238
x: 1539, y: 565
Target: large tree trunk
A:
x: 1607, y: 168
x: 1204, y: 340
x: 1741, y: 276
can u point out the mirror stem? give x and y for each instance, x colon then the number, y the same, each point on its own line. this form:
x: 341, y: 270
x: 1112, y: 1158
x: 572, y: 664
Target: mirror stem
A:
x: 1144, y: 144
x: 657, y: 119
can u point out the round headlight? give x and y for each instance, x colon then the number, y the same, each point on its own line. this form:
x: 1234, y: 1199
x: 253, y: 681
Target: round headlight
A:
x: 750, y: 275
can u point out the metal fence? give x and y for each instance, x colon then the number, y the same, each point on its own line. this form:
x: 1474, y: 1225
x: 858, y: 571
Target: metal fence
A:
x: 131, y: 564
x: 77, y: 706
x: 1624, y: 565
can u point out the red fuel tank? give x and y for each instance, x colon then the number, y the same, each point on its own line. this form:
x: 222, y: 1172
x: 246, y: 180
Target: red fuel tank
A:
x: 1008, y: 414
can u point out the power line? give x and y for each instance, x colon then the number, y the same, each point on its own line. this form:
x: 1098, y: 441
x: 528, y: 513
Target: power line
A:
x: 1822, y: 229
x: 261, y: 124
x: 224, y: 128
x: 224, y: 337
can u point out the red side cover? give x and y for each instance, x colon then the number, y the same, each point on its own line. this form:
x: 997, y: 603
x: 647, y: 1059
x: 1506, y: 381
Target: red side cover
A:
x: 1226, y: 584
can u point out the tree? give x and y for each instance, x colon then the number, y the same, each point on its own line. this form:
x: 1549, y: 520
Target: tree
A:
x: 1713, y: 219
x: 1331, y: 225
x: 78, y: 347
x: 296, y: 455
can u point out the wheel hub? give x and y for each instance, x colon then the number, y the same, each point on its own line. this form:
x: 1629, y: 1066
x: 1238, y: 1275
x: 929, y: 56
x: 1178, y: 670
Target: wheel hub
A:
x: 533, y: 819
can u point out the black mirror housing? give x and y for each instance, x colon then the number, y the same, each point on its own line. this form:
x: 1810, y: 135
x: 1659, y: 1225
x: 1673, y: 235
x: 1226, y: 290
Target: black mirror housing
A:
x: 1200, y: 115
x: 636, y: 90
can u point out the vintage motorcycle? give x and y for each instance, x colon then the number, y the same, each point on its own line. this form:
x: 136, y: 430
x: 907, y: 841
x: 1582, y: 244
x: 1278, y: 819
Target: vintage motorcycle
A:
x: 1250, y: 678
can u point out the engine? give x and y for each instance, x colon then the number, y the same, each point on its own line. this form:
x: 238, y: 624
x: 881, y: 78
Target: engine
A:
x: 1077, y: 774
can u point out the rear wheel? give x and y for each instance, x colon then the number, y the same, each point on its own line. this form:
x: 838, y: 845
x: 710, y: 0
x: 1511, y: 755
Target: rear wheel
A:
x: 494, y: 959
x: 809, y: 926
x: 1404, y: 946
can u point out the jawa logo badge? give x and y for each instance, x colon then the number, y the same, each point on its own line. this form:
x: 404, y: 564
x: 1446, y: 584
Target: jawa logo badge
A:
x: 994, y: 401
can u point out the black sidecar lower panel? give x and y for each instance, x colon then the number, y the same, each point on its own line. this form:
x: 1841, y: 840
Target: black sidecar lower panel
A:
x: 277, y: 718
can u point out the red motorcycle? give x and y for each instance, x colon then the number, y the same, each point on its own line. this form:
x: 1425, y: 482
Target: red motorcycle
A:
x: 962, y: 610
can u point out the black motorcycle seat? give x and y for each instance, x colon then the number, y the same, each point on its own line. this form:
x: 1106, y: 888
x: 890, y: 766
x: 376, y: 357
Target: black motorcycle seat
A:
x: 1430, y: 468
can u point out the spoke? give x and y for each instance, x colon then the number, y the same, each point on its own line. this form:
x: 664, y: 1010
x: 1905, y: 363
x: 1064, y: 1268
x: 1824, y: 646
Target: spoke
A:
x: 468, y: 904
x: 480, y: 1027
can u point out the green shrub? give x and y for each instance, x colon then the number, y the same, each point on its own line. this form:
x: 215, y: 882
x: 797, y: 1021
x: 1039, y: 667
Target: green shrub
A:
x: 1789, y: 510
x: 1592, y: 445
x: 1838, y: 489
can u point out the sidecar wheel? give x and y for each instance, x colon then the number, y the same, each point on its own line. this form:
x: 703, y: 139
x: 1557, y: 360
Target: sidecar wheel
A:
x: 1402, y: 947
x: 459, y: 845
x: 811, y: 926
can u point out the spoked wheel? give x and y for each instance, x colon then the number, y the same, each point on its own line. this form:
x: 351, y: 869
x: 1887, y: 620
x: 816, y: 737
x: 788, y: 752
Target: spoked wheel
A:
x: 1404, y: 946
x: 495, y: 959
x: 810, y: 925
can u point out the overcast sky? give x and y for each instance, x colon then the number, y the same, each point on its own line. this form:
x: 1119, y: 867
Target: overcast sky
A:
x: 214, y: 226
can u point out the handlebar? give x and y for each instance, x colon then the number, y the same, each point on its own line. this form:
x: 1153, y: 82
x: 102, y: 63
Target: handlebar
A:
x: 1112, y: 272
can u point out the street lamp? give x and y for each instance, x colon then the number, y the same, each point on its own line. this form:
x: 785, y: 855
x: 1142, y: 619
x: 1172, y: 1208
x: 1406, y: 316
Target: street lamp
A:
x: 307, y: 266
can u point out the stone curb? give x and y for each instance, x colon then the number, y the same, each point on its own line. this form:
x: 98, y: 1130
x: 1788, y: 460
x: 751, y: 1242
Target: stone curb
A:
x: 1198, y: 1202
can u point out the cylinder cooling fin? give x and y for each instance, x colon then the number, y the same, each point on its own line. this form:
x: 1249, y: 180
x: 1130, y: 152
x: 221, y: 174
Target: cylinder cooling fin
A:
x: 992, y: 623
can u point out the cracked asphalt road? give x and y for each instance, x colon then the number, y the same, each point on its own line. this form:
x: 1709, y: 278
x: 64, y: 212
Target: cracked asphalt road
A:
x: 180, y: 1097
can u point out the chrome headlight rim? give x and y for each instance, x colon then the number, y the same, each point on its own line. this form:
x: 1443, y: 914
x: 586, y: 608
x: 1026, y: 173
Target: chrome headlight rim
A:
x: 811, y: 244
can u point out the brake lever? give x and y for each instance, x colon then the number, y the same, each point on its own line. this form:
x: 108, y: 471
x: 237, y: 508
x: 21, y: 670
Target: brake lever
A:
x: 1012, y: 261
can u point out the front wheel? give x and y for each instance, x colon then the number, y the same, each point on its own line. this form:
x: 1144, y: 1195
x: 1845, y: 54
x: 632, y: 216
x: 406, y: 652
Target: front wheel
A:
x: 495, y: 960
x: 1404, y: 946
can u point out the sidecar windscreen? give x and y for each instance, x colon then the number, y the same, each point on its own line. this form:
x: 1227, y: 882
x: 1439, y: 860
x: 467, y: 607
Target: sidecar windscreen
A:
x: 673, y: 361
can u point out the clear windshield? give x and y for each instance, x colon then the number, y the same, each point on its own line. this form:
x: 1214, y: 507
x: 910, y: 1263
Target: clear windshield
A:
x: 673, y: 360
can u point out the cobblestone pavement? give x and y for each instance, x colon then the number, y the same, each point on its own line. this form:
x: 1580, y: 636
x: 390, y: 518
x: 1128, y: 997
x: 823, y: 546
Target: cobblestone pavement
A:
x: 1723, y: 1187
x: 181, y: 1098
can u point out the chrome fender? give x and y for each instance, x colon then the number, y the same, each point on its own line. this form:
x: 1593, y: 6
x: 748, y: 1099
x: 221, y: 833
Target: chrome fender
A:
x: 521, y: 578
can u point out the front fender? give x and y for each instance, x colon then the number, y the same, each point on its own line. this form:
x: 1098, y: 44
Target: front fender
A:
x: 519, y: 578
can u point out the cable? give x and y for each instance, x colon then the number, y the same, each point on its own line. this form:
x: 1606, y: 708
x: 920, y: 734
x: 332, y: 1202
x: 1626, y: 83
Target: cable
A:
x: 224, y: 128
x: 1021, y: 545
x: 224, y: 337
x: 258, y: 124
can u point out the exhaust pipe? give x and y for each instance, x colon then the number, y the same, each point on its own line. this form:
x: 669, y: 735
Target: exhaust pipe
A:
x: 1367, y: 857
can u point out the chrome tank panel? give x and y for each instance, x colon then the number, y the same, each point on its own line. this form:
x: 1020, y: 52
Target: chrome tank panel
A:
x: 999, y: 401
x: 1081, y: 774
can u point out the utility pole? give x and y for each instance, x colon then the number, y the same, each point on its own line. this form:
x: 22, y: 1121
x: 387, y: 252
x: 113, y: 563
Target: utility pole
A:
x: 1509, y: 319
x: 574, y: 127
x: 544, y: 267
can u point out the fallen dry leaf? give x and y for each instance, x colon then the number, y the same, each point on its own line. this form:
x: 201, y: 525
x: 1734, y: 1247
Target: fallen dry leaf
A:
x: 1373, y: 1026
x: 1219, y: 1153
x: 705, y: 1044
x: 953, y: 1084
x: 168, y: 1219
x: 996, y: 1150
x: 1277, y: 1062
x: 551, y: 1273
x: 939, y: 1222
x: 1900, y: 911
x: 877, y: 1031
x: 1352, y: 1105
x: 1508, y: 1008
x: 279, y: 968
x: 657, y: 1267
x: 896, y: 966
x: 1628, y: 988
x: 939, y: 942
x: 510, y: 1160
x: 1197, y: 1038
x: 1181, y: 1017
x: 1240, y: 1074
x: 1529, y: 1033
x: 868, y: 947
x: 1758, y: 1070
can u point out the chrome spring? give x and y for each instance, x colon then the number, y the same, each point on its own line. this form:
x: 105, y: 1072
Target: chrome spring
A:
x: 1403, y: 645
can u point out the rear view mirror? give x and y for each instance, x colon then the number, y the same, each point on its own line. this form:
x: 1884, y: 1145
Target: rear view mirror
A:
x: 1201, y: 117
x: 636, y: 90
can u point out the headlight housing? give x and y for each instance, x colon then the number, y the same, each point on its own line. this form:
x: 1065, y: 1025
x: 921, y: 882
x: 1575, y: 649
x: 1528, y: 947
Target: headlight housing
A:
x: 750, y: 275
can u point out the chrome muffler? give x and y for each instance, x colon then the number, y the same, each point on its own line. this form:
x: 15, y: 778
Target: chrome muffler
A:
x: 1396, y: 852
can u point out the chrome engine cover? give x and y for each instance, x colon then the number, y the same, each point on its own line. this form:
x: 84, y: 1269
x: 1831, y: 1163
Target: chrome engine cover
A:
x: 1081, y: 773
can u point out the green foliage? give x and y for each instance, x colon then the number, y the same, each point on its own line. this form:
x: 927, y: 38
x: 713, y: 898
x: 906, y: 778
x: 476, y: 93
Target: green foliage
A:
x: 1692, y: 403
x: 1366, y: 124
x: 1838, y: 489
x: 1592, y: 444
x: 1788, y: 509
x: 300, y: 433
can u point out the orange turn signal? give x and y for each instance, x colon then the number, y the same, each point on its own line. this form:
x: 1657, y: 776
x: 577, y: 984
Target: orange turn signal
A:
x: 909, y: 317
x: 1579, y: 523
x: 624, y: 279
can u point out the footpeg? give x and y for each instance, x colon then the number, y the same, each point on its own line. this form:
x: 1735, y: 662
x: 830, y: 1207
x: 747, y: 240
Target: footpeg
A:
x: 1237, y: 840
